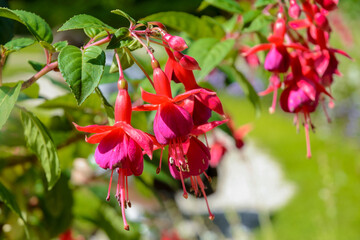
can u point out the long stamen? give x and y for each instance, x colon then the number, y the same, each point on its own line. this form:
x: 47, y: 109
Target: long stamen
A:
x: 185, y: 194
x: 206, y: 140
x: 307, y: 136
x: 207, y: 176
x: 273, y: 105
x: 159, y: 168
x: 118, y: 188
x: 325, y: 110
x: 108, y: 195
x: 122, y: 198
x: 201, y: 184
x: 127, y: 192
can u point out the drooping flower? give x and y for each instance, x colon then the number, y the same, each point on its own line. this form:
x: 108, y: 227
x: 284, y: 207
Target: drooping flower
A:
x: 120, y: 147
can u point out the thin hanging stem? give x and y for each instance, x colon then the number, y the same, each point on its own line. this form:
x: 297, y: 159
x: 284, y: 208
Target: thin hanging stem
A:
x: 140, y: 66
x: 144, y: 45
x: 121, y: 73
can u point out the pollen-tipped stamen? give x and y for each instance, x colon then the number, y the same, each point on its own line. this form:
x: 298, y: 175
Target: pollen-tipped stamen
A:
x: 202, y: 187
x: 108, y: 195
x: 307, y: 136
x: 160, y: 161
x: 273, y: 105
x: 122, y: 197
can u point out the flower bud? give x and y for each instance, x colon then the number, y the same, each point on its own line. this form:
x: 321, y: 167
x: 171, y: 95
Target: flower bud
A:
x: 322, y: 22
x: 294, y: 9
x: 187, y: 62
x: 175, y: 42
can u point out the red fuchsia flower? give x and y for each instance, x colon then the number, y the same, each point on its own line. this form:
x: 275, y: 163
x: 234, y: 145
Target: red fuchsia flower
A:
x: 301, y: 95
x: 278, y: 59
x: 197, y: 157
x: 120, y: 147
x: 200, y: 104
x: 172, y: 123
x: 328, y: 5
x: 252, y: 59
x: 187, y: 62
x: 217, y: 152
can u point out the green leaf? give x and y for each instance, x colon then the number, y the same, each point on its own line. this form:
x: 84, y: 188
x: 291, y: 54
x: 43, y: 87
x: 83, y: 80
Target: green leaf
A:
x: 249, y: 16
x: 263, y: 3
x: 84, y: 21
x: 58, y: 207
x: 8, y: 97
x: 259, y: 24
x: 47, y: 46
x: 60, y: 45
x: 17, y: 44
x: 125, y: 60
x: 124, y: 14
x: 36, y: 65
x: 95, y: 33
x: 40, y: 142
x: 227, y: 5
x: 32, y: 91
x: 195, y: 27
x: 235, y: 76
x: 8, y: 198
x: 120, y: 39
x: 209, y: 53
x: 35, y: 24
x: 82, y: 70
x: 108, y: 108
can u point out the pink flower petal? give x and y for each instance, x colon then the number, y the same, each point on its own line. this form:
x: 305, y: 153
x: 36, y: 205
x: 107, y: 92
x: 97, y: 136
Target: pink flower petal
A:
x: 93, y: 128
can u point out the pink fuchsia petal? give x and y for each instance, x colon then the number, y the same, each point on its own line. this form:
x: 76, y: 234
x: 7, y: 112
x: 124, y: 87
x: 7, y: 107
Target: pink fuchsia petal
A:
x: 112, y: 150
x: 277, y: 60
x: 135, y: 158
x: 308, y: 87
x: 257, y: 48
x: 217, y: 152
x: 171, y: 121
x: 94, y: 128
x: 96, y: 138
x: 340, y: 52
x: 202, y: 129
x: 298, y: 24
x: 186, y: 94
x: 200, y: 113
x: 146, y: 107
x: 209, y: 99
x: 153, y: 98
x: 139, y: 137
x: 296, y: 46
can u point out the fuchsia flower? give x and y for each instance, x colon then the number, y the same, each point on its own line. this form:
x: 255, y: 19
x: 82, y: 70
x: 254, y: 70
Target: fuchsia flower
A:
x: 175, y: 42
x: 120, y: 147
x: 294, y: 9
x: 217, y: 152
x: 201, y: 103
x: 278, y: 59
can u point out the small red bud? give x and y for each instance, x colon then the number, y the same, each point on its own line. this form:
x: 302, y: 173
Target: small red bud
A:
x: 175, y: 42
x: 294, y: 9
x: 187, y: 62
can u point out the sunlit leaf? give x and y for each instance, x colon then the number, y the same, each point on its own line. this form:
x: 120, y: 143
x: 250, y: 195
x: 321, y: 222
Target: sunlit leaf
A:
x: 82, y: 70
x: 209, y: 53
x: 35, y: 24
x: 84, y: 21
x: 17, y: 44
x: 124, y: 14
x: 125, y: 60
x: 227, y: 5
x: 8, y: 97
x: 108, y: 107
x: 263, y: 3
x: 195, y: 27
x: 120, y: 38
x: 40, y: 142
x: 60, y: 45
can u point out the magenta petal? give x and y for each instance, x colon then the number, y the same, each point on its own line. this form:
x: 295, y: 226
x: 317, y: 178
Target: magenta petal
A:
x: 135, y: 157
x: 202, y: 129
x: 112, y: 150
x: 139, y: 137
x: 171, y: 121
x: 209, y: 99
x: 277, y: 59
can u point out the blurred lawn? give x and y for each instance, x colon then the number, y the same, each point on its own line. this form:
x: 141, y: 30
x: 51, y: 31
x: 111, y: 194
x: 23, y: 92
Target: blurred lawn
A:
x: 325, y: 205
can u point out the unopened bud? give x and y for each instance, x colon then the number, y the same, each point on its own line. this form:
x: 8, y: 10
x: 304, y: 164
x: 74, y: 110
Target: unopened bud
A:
x: 294, y: 9
x: 175, y: 42
x: 122, y: 84
x: 187, y: 62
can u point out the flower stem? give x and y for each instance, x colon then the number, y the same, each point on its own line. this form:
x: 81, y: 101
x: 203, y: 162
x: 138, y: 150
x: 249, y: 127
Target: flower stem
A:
x: 144, y: 45
x: 38, y: 75
x: 140, y: 66
x: 121, y: 73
